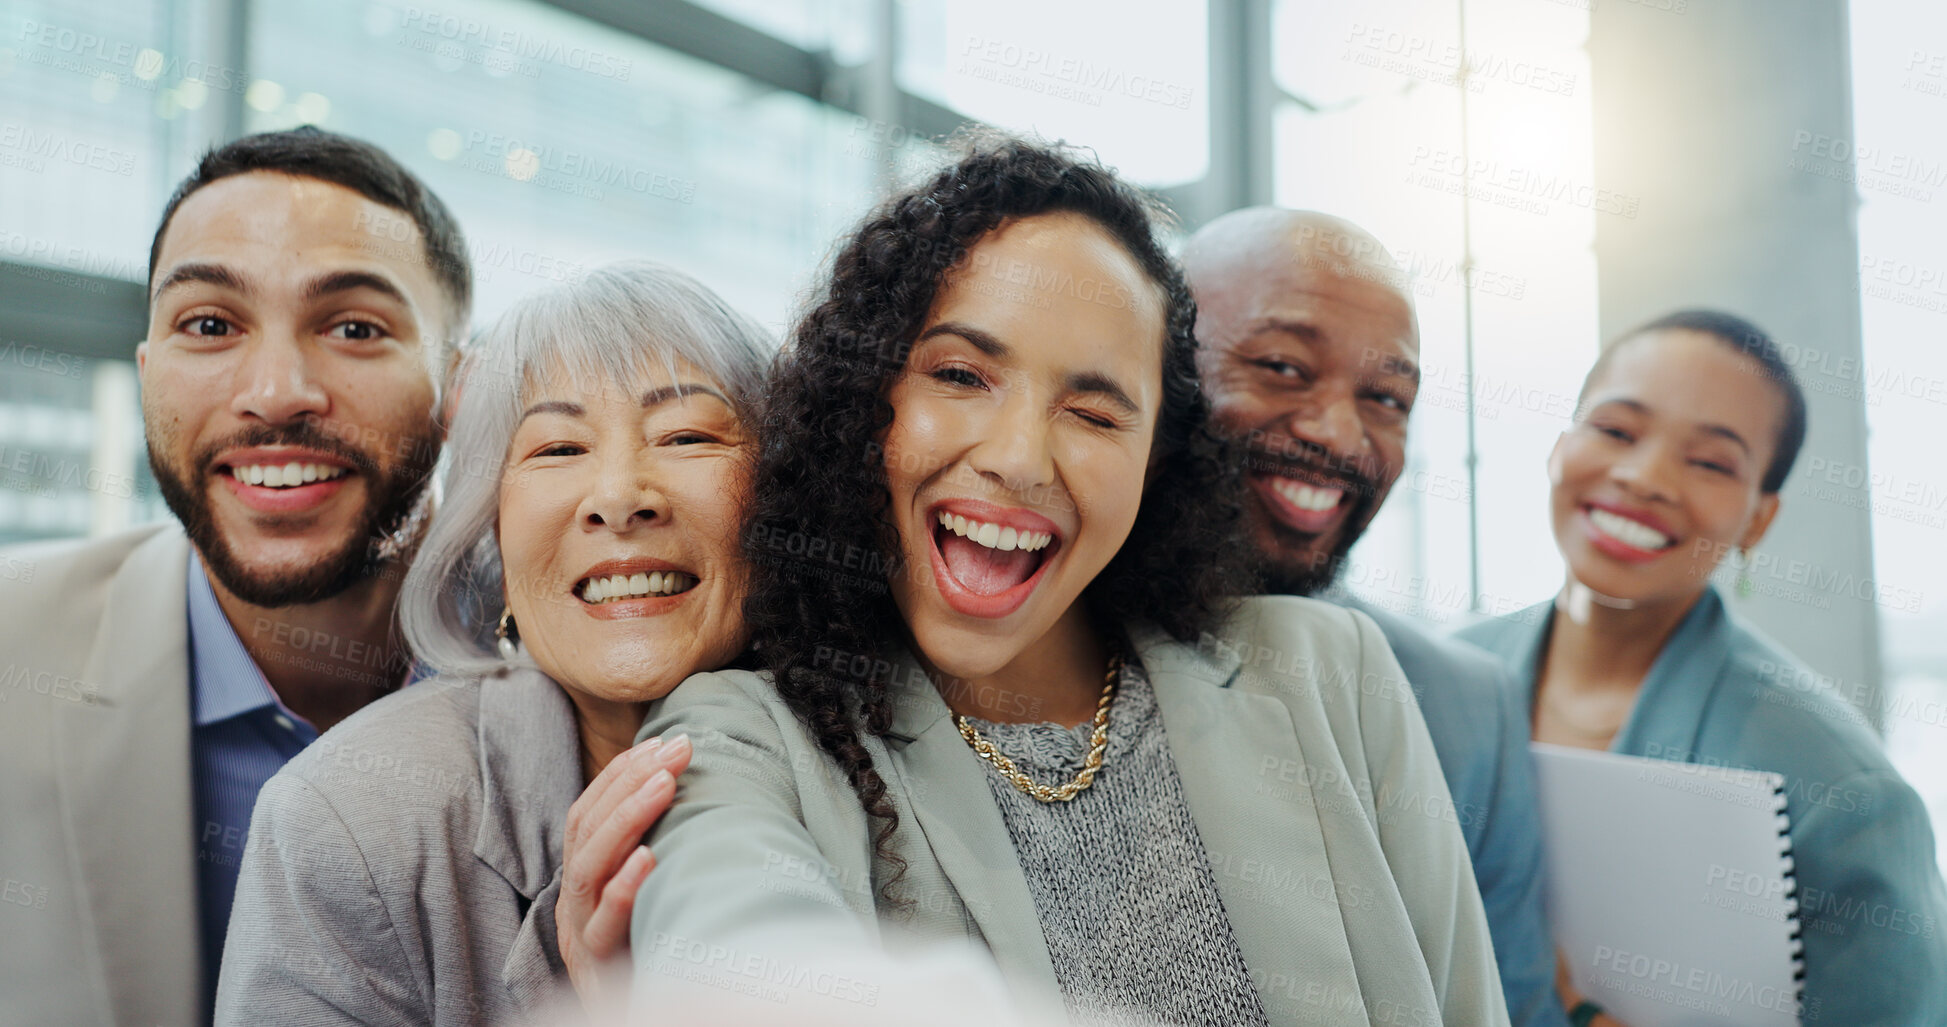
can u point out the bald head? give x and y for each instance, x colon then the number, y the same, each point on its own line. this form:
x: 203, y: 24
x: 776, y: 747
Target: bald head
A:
x: 1270, y: 248
x: 1310, y: 353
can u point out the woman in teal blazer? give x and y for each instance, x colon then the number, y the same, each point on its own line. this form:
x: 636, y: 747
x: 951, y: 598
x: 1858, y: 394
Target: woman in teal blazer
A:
x: 1686, y: 431
x: 1008, y: 692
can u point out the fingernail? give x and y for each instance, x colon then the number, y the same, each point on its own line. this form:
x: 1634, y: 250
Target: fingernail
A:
x: 678, y: 744
x: 646, y: 748
x: 658, y: 781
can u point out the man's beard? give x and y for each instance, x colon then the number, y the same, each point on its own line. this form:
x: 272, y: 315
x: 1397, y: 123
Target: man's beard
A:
x: 390, y: 500
x: 1305, y: 576
x: 1297, y: 568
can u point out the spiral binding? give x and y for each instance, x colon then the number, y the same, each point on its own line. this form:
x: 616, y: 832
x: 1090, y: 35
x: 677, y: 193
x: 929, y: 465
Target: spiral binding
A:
x: 1788, y: 867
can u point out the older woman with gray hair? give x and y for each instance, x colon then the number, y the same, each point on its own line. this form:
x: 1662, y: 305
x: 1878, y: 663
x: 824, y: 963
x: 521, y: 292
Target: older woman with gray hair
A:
x: 409, y: 867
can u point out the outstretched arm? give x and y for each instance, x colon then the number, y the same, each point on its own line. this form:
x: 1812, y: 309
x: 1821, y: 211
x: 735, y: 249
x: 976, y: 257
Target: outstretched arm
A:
x: 604, y: 863
x: 744, y: 900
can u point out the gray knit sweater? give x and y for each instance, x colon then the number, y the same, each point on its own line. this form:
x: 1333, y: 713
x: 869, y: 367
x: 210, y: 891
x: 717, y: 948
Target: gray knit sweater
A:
x: 1120, y: 880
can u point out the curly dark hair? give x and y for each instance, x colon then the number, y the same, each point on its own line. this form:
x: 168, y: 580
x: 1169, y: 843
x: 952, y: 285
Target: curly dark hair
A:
x: 820, y: 544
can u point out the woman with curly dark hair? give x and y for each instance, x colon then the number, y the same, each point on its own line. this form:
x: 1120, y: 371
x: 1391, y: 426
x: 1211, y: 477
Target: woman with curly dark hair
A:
x: 1009, y: 691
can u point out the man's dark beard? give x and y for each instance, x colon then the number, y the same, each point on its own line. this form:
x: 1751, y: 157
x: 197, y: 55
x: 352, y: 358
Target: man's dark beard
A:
x: 389, y: 499
x: 1313, y: 573
x: 1286, y: 576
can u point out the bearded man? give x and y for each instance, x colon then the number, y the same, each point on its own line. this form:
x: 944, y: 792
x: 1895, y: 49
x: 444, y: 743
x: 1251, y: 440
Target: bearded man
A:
x: 306, y: 294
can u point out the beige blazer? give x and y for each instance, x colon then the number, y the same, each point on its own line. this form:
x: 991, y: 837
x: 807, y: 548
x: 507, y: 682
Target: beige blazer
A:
x: 1307, y: 768
x: 98, y: 920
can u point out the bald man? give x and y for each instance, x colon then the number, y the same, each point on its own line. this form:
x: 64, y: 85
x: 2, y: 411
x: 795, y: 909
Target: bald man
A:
x: 1311, y: 357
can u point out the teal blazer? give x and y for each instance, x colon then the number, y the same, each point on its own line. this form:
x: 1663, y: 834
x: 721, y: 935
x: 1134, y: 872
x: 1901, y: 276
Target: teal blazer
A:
x: 1871, y: 902
x: 1305, y: 764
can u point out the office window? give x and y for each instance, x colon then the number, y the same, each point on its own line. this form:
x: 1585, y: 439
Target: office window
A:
x: 1467, y: 151
x: 1134, y: 88
x: 1899, y: 96
x: 97, y: 94
x: 72, y: 460
x: 841, y: 27
x: 562, y: 144
x: 90, y: 90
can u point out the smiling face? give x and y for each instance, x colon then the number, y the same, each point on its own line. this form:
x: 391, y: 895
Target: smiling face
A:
x: 619, y: 512
x: 1021, y: 438
x: 1660, y: 478
x: 288, y: 381
x: 1313, y: 369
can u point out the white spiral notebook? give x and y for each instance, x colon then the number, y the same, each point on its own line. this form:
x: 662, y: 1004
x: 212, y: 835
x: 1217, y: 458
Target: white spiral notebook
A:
x: 1670, y: 889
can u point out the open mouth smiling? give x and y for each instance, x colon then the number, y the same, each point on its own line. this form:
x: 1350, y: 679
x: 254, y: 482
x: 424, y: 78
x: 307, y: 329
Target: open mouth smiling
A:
x: 624, y: 587
x: 1310, y: 498
x: 274, y: 481
x: 1625, y: 534
x: 284, y: 476
x: 1302, y: 503
x: 988, y: 559
x: 1299, y: 494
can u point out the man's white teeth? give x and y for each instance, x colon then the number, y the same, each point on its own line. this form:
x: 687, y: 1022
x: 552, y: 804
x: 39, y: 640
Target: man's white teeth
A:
x: 636, y: 586
x: 993, y: 536
x: 1628, y: 532
x: 283, y: 476
x: 1307, y: 497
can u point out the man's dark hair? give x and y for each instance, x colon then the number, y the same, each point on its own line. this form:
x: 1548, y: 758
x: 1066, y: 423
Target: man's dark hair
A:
x: 1745, y: 338
x: 311, y: 152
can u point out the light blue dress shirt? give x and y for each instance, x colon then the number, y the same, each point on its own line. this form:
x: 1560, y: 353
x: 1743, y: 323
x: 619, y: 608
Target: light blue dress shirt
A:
x: 1872, y: 906
x: 241, y: 736
x: 1481, y: 738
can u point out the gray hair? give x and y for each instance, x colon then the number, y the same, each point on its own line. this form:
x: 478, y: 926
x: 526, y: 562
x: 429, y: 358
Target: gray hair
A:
x: 607, y: 327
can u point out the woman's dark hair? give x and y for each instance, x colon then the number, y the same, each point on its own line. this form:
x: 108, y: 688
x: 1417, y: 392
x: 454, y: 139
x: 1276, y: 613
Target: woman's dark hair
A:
x: 1745, y: 338
x: 821, y: 547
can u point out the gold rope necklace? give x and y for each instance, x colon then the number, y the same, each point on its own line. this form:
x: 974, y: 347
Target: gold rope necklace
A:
x: 1091, y: 765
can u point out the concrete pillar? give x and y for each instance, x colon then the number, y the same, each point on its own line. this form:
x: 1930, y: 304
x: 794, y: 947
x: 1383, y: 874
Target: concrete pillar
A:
x: 1731, y: 122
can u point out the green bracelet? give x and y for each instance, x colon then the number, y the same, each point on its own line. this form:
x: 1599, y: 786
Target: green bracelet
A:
x: 1584, y: 1013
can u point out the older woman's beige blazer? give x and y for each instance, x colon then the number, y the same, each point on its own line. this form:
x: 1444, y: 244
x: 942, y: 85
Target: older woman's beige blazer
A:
x: 1307, y: 769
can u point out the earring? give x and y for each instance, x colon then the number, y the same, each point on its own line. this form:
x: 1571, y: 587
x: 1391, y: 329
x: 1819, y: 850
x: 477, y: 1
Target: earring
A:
x: 1743, y: 587
x: 508, y: 635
